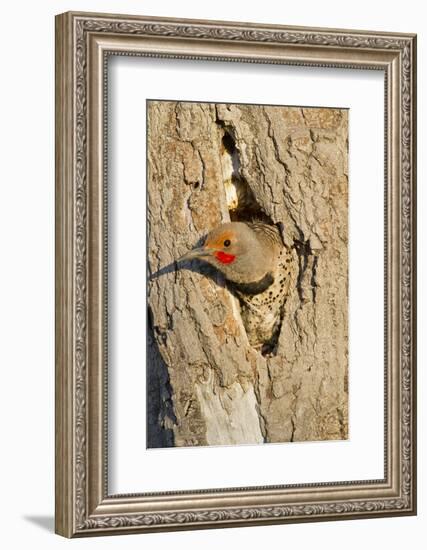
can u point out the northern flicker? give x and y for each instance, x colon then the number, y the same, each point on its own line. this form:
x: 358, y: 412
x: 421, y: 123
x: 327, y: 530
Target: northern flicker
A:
x: 260, y: 270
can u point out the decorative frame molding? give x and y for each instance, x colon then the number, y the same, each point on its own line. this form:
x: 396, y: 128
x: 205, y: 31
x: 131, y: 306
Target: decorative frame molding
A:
x: 83, y: 43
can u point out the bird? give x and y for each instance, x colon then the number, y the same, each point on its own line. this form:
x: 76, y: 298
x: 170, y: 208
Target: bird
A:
x: 259, y: 269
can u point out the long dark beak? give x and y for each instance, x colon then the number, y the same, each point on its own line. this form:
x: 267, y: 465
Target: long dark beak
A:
x: 200, y: 252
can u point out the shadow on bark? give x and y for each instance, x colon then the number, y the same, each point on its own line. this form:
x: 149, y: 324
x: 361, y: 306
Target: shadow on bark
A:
x: 160, y: 413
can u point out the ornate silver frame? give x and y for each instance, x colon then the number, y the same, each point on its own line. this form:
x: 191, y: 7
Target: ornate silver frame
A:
x: 83, y: 42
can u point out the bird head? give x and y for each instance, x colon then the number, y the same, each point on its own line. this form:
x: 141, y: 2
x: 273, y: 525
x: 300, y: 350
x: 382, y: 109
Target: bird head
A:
x: 235, y: 250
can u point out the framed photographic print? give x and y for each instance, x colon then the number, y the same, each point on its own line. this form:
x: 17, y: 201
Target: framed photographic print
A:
x: 235, y: 274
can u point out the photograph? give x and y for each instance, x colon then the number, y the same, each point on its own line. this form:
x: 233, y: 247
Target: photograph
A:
x: 247, y: 234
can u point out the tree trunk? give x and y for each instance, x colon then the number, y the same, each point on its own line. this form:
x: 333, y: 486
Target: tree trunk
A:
x: 207, y: 164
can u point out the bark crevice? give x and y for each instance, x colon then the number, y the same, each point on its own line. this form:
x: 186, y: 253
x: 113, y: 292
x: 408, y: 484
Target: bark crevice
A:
x: 242, y: 205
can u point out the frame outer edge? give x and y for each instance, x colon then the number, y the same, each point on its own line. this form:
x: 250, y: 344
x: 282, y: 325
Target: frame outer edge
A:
x: 64, y: 275
x: 249, y: 25
x: 414, y: 268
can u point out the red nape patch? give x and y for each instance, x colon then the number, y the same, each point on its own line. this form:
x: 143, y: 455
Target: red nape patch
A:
x: 225, y: 258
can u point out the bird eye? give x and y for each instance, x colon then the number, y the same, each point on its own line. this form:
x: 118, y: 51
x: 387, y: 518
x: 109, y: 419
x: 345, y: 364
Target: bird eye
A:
x: 227, y: 242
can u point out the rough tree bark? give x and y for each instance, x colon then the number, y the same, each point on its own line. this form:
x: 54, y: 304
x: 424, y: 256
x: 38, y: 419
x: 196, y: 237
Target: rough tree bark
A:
x: 209, y: 163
